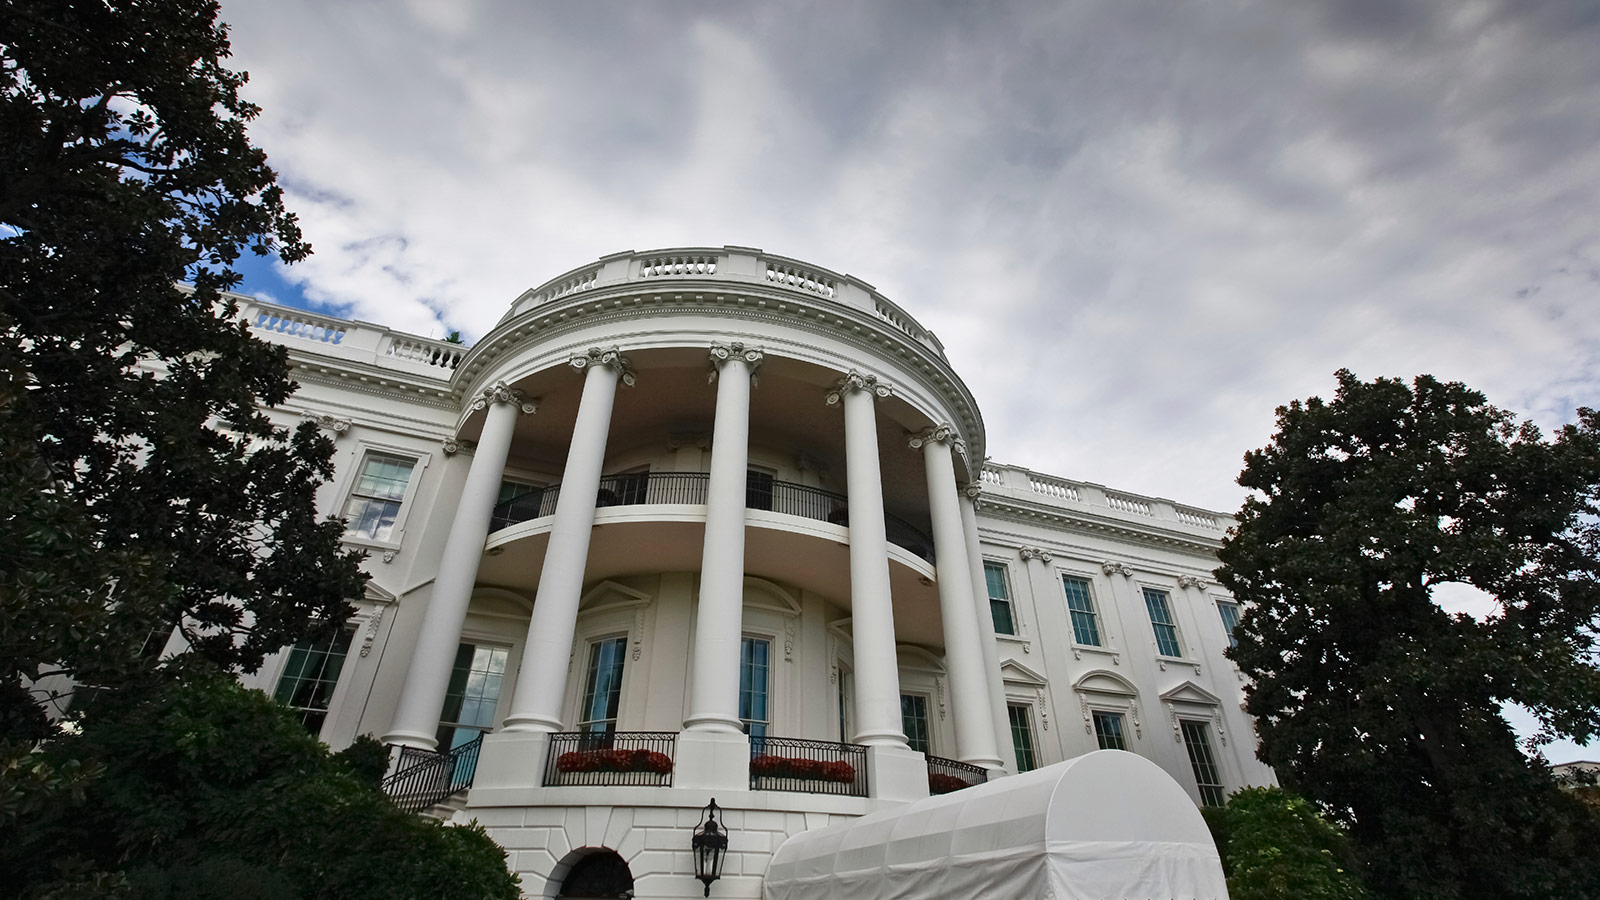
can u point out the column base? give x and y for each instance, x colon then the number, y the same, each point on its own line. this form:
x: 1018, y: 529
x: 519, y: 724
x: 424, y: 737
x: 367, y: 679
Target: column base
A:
x: 712, y: 760
x: 511, y: 759
x: 897, y: 773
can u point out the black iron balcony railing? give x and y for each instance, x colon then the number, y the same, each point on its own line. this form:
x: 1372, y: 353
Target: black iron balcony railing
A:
x: 690, y: 488
x: 812, y: 767
x: 424, y: 777
x: 606, y: 758
x: 946, y: 775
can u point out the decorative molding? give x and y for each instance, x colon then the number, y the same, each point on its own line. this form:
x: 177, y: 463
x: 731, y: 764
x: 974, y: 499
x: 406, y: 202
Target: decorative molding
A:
x: 1044, y: 709
x: 938, y: 690
x: 1177, y: 730
x: 500, y: 392
x: 1133, y: 712
x: 1189, y: 581
x: 371, y: 632
x: 973, y: 491
x: 452, y: 446
x: 805, y: 462
x: 1222, y: 733
x: 1116, y: 568
x: 788, y: 638
x: 938, y: 434
x: 389, y: 555
x: 680, y: 439
x: 638, y: 632
x: 833, y: 660
x: 1042, y: 555
x: 609, y: 356
x: 328, y: 423
x: 855, y: 381
x: 721, y: 353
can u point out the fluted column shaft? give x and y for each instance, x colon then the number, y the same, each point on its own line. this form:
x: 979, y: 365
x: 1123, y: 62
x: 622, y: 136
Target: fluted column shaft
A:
x: 416, y: 719
x: 991, y: 651
x: 877, y: 674
x: 719, y: 623
x: 542, y: 682
x: 963, y: 654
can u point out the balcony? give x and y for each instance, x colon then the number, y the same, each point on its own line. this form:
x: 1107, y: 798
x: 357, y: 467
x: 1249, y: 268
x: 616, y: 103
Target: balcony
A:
x: 611, y: 758
x: 689, y: 488
x: 811, y: 767
x: 946, y: 775
x: 423, y: 778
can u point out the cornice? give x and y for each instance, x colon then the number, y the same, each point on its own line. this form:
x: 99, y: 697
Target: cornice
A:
x: 310, y: 367
x: 998, y: 506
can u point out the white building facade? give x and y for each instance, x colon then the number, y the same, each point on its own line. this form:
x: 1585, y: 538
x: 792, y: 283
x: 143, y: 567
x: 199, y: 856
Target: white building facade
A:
x: 710, y: 522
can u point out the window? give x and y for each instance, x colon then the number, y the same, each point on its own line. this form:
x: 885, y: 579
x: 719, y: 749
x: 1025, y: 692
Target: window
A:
x: 1022, y: 737
x: 517, y: 502
x: 473, y: 694
x: 758, y: 489
x: 1230, y: 620
x: 754, y: 654
x: 999, y: 598
x: 307, y: 683
x: 375, y: 500
x: 1161, y: 621
x: 602, y: 691
x: 1197, y: 740
x: 914, y: 720
x: 1085, y: 624
x: 1108, y: 731
x: 627, y: 489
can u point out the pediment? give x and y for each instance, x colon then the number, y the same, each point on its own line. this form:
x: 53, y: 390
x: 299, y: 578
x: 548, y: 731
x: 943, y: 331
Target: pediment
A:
x: 764, y: 594
x: 910, y: 656
x: 377, y: 594
x: 611, y: 595
x: 1101, y: 681
x: 1017, y: 673
x: 1189, y: 692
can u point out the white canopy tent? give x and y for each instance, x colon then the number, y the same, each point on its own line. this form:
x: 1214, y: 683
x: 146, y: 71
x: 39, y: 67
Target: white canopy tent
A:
x: 1106, y: 825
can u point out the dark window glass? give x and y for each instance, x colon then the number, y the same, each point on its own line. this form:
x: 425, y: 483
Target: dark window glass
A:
x: 1197, y: 740
x: 1108, y: 731
x: 602, y: 692
x: 1022, y: 737
x: 307, y: 683
x: 914, y: 719
x: 994, y: 574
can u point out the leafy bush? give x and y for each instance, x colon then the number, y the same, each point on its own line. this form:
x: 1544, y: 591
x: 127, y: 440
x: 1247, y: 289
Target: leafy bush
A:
x: 1275, y: 846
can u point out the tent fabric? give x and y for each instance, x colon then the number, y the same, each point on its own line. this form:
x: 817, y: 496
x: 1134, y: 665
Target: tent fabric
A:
x: 1109, y: 824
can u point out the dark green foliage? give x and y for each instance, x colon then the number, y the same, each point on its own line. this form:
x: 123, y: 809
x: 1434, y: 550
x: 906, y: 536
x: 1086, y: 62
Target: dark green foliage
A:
x: 366, y: 758
x: 1274, y: 846
x: 213, y: 790
x: 1372, y: 700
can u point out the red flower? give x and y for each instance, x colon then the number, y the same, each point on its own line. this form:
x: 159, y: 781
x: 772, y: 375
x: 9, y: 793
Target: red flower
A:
x: 839, y: 771
x: 806, y: 768
x: 939, y: 783
x: 769, y: 766
x: 577, y: 761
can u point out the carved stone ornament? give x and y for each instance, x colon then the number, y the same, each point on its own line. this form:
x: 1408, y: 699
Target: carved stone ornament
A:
x: 1116, y: 568
x: 452, y: 446
x: 1189, y: 581
x: 1038, y: 553
x: 936, y: 434
x: 500, y: 392
x: 638, y: 633
x: 329, y: 423
x: 855, y: 381
x: 789, y: 626
x: 721, y: 353
x: 388, y: 556
x: 973, y: 492
x: 833, y: 660
x: 1044, y: 709
x: 680, y: 439
x: 371, y: 631
x: 938, y: 689
x: 609, y: 356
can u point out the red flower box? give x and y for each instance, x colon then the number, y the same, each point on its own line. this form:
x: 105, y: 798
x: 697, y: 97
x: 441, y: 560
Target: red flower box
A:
x: 813, y: 769
x: 614, y: 761
x: 939, y: 783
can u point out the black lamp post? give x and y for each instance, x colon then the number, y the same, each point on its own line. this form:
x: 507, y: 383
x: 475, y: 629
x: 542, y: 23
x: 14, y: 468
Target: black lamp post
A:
x: 710, y: 845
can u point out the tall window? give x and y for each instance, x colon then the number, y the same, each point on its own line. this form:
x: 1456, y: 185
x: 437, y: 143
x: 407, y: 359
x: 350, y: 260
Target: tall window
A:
x: 914, y: 721
x: 758, y: 489
x: 602, y: 690
x: 1022, y: 737
x: 473, y: 694
x: 999, y: 598
x: 307, y: 683
x: 754, y: 677
x: 844, y: 704
x: 517, y: 502
x: 1085, y: 624
x: 1108, y: 731
x: 1161, y: 622
x: 1197, y: 740
x: 1230, y: 620
x: 375, y: 500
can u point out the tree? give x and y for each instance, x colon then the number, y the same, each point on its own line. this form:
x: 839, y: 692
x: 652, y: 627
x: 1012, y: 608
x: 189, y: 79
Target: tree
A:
x: 1275, y: 846
x: 213, y: 790
x: 142, y: 486
x: 1369, y: 697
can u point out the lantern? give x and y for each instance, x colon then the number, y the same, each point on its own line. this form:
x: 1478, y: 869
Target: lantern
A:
x: 710, y: 845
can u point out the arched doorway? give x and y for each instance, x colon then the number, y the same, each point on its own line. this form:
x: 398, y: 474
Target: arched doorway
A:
x: 599, y: 875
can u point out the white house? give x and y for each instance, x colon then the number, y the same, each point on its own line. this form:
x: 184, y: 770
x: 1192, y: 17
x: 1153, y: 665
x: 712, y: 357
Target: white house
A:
x: 710, y: 522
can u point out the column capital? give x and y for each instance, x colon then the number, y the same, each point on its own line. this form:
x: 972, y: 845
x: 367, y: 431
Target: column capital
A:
x: 500, y: 392
x: 855, y: 381
x: 721, y: 353
x: 1190, y: 581
x: 1039, y: 553
x: 938, y: 434
x: 610, y: 357
x: 452, y: 446
x: 328, y: 423
x: 1110, y: 567
x: 972, y: 491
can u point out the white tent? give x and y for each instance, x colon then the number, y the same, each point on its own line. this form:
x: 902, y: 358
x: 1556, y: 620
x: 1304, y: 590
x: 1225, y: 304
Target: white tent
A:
x: 1106, y: 825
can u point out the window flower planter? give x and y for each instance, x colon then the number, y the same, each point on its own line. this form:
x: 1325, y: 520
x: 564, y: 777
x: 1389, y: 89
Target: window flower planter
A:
x: 614, y: 761
x: 836, y: 771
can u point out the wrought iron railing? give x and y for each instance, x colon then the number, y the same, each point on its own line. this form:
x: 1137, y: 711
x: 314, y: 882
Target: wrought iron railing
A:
x: 812, y: 767
x: 423, y: 777
x: 946, y: 775
x: 783, y: 497
x: 641, y: 758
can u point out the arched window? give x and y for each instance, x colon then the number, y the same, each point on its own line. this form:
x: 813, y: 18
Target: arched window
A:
x: 601, y: 874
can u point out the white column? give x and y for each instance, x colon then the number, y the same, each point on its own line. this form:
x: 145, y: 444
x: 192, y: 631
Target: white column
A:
x: 542, y: 682
x: 991, y: 650
x: 877, y: 673
x: 416, y: 719
x: 719, y: 623
x: 963, y: 653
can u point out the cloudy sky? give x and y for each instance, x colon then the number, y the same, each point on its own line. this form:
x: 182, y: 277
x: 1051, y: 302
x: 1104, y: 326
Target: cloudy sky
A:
x: 1136, y: 226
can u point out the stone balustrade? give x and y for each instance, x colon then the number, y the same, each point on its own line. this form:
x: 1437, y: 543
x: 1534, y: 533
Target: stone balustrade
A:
x: 1002, y: 481
x: 350, y: 340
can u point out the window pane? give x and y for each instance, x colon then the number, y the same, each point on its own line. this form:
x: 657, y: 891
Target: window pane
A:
x: 310, y: 676
x: 1155, y: 602
x: 1085, y: 627
x: 1197, y: 740
x: 754, y: 681
x: 374, y: 502
x: 994, y: 575
x: 914, y: 720
x: 473, y: 694
x: 1230, y: 620
x: 1000, y: 610
x: 1108, y: 731
x: 1022, y: 737
x: 603, y: 690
